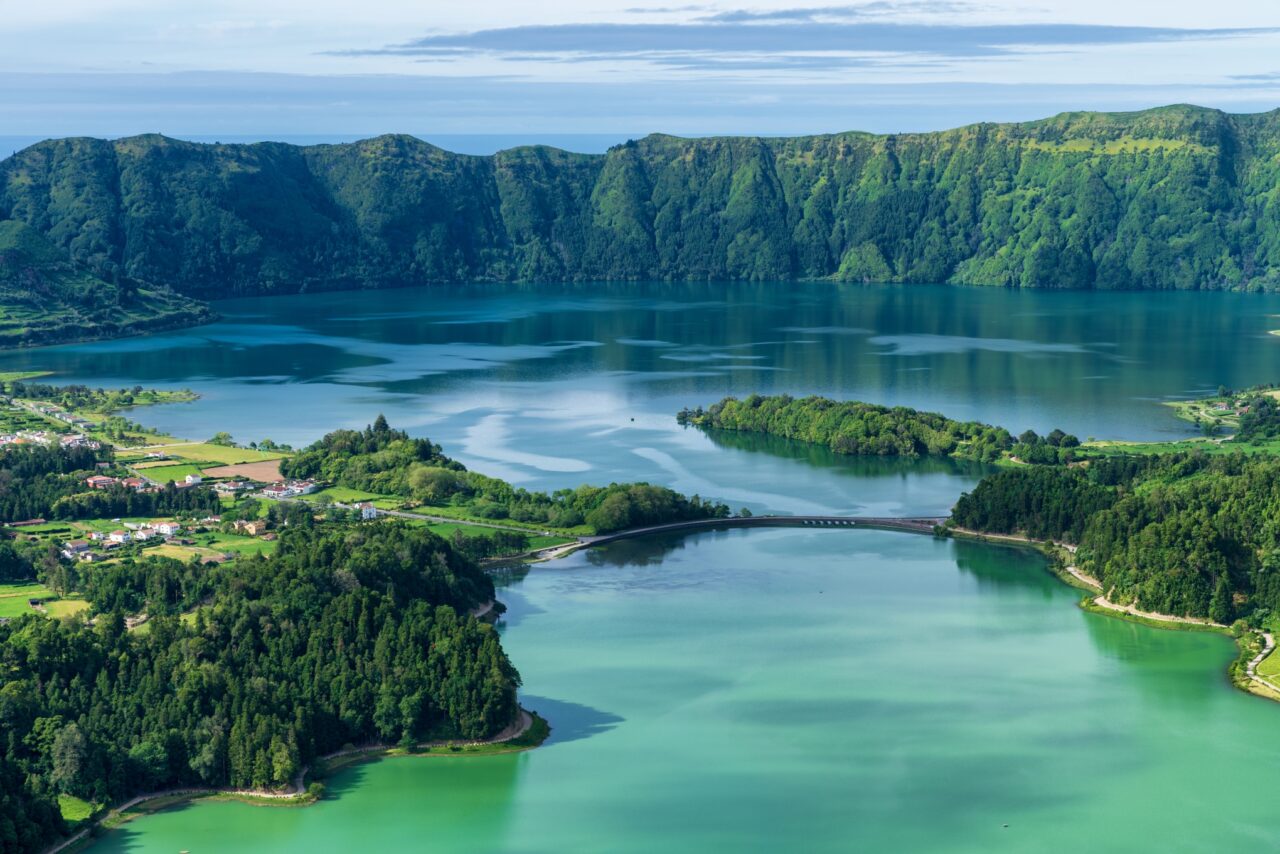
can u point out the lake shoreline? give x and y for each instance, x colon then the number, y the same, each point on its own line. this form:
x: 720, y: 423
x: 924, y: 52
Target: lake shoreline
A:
x: 527, y: 732
x: 1251, y: 651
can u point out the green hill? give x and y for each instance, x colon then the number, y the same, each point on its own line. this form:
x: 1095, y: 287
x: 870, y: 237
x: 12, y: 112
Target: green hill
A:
x: 46, y: 298
x: 1174, y: 198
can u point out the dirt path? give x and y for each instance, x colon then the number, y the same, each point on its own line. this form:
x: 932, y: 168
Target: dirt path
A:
x: 1104, y: 602
x: 1085, y: 578
x: 1251, y: 669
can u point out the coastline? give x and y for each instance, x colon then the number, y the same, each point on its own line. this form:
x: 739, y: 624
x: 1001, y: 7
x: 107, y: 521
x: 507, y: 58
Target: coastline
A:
x: 528, y: 731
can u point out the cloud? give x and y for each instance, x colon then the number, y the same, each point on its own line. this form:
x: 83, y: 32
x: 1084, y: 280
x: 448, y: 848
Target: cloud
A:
x: 664, y: 10
x: 877, y: 8
x: 763, y: 40
x: 1266, y: 77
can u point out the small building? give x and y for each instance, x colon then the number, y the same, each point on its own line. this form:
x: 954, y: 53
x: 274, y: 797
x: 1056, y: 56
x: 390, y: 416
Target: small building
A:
x: 193, y: 479
x: 87, y: 557
x: 119, y: 537
x: 100, y: 481
x: 97, y: 535
x: 303, y: 487
x: 367, y: 511
x: 252, y: 527
x: 134, y: 483
x: 230, y: 487
x: 277, y: 491
x: 73, y: 548
x: 168, y: 529
x: 143, y: 534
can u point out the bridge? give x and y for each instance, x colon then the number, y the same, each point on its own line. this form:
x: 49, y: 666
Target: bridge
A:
x: 913, y: 524
x: 923, y: 525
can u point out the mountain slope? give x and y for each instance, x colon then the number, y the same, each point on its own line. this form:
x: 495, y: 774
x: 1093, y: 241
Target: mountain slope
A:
x: 1179, y: 197
x: 45, y: 298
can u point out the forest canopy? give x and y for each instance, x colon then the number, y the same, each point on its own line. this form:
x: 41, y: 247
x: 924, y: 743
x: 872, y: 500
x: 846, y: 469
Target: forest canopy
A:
x: 348, y: 635
x: 855, y: 428
x: 1189, y: 534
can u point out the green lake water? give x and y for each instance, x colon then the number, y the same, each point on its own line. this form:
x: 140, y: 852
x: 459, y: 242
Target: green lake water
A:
x: 784, y: 690
x: 768, y: 690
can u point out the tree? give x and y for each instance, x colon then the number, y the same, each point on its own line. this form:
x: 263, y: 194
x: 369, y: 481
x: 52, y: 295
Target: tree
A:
x: 1221, y: 606
x: 70, y: 749
x: 222, y: 438
x: 149, y: 763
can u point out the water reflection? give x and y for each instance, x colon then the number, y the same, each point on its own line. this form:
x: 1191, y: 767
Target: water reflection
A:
x: 570, y: 721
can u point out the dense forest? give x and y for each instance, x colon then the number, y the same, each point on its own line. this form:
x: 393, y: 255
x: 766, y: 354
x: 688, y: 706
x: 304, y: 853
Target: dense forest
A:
x: 1179, y: 197
x: 854, y: 428
x: 1189, y: 534
x: 348, y: 635
x: 387, y: 461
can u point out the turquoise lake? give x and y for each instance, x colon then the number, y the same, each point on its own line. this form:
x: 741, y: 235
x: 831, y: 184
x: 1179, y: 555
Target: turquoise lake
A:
x: 763, y: 690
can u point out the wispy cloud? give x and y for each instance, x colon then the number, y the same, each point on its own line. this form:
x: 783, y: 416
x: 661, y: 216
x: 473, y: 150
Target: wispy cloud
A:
x: 1265, y: 77
x: 860, y: 11
x: 794, y: 38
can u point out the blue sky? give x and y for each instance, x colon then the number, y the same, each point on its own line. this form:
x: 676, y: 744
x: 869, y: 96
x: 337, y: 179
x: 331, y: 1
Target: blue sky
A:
x: 614, y: 67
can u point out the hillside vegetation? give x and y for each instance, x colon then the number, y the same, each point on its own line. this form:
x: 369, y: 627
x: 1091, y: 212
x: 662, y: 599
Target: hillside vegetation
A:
x: 383, y: 460
x: 1187, y: 534
x: 45, y: 297
x: 1175, y: 198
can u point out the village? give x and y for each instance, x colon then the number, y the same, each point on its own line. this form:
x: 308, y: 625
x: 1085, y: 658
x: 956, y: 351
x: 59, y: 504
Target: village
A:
x: 246, y: 482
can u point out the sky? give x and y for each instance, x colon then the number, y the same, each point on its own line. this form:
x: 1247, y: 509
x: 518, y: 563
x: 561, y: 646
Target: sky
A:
x: 602, y: 71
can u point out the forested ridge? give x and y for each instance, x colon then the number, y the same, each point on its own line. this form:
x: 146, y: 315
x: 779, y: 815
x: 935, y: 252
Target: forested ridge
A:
x: 349, y: 634
x: 1174, y: 198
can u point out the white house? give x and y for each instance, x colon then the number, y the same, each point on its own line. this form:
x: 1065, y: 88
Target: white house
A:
x: 368, y: 511
x: 168, y: 528
x: 118, y: 536
x: 193, y: 479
